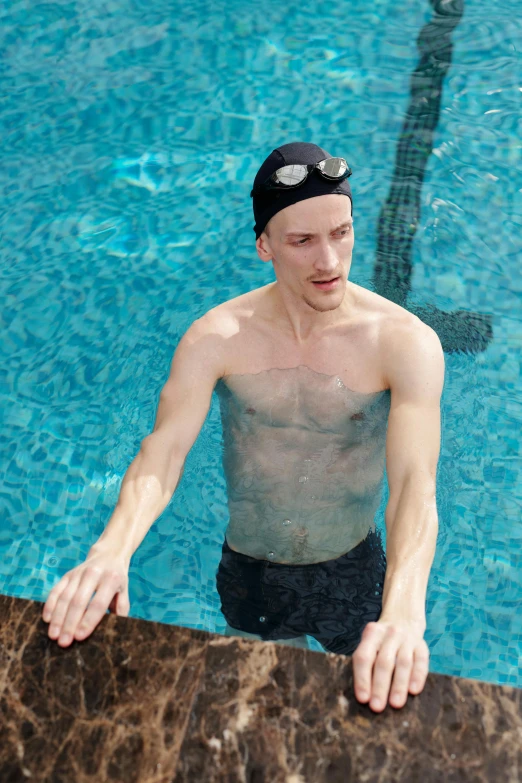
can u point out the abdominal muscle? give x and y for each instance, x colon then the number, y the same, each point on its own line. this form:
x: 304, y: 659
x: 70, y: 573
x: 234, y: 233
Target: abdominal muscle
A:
x: 299, y: 541
x: 303, y: 512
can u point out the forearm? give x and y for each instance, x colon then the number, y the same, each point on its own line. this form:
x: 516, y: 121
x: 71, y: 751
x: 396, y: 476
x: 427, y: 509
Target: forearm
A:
x: 411, y: 538
x: 146, y: 490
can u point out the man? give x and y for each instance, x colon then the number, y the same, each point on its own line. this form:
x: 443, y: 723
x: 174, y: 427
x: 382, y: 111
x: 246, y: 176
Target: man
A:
x: 319, y: 381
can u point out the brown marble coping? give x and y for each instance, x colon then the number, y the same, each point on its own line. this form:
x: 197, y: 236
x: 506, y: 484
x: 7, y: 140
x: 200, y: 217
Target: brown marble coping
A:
x: 144, y: 702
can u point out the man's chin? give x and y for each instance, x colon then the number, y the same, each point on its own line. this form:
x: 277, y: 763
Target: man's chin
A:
x: 324, y: 305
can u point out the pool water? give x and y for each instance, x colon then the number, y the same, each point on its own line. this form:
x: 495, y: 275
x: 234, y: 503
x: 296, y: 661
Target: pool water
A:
x: 131, y: 135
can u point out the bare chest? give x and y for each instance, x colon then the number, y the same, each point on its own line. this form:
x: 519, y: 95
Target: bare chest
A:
x: 299, y: 398
x: 333, y: 384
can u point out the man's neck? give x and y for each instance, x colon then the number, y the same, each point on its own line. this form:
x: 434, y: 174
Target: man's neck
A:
x: 300, y: 321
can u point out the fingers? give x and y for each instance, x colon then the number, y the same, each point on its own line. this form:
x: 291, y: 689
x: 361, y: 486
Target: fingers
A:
x: 96, y: 610
x: 72, y: 598
x: 53, y: 597
x: 57, y: 603
x: 409, y: 666
x: 385, y: 664
x: 401, y: 677
x: 384, y: 653
x: 363, y: 660
x: 71, y: 603
x: 120, y: 604
x: 421, y: 667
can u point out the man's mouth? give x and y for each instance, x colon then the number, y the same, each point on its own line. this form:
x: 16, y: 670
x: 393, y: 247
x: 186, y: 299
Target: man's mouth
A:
x: 326, y: 285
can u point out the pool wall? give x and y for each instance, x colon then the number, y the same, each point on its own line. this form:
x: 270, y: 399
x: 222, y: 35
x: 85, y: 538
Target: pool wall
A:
x: 145, y: 702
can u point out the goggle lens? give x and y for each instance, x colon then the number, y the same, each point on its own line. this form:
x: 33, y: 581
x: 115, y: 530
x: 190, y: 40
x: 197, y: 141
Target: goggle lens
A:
x: 290, y: 176
x: 333, y: 167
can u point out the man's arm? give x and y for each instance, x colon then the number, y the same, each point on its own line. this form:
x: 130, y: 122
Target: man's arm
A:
x: 392, y: 653
x: 155, y: 472
x: 147, y: 487
x: 415, y: 371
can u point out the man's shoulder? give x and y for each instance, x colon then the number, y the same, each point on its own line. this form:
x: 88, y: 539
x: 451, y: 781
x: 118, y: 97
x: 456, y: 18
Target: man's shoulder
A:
x: 406, y: 344
x: 226, y: 318
x: 404, y: 330
x: 397, y: 326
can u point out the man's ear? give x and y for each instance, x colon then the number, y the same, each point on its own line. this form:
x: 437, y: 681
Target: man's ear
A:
x: 263, y: 248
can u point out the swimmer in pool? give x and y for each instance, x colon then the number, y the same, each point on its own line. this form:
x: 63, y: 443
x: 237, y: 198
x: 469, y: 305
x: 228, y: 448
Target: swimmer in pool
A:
x: 321, y: 383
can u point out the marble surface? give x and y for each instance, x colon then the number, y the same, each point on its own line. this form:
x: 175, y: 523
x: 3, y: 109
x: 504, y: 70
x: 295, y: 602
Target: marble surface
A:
x: 145, y: 702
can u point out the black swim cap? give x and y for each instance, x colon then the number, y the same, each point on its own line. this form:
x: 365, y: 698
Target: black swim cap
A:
x: 268, y: 203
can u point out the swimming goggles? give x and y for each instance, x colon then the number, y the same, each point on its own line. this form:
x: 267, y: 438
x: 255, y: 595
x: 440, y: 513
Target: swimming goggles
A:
x: 294, y: 175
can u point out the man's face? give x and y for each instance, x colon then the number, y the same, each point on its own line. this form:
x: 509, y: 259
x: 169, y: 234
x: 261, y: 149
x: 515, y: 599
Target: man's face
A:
x: 311, y: 241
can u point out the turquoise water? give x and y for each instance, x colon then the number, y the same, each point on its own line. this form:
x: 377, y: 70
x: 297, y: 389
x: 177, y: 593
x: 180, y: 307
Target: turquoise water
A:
x: 131, y: 135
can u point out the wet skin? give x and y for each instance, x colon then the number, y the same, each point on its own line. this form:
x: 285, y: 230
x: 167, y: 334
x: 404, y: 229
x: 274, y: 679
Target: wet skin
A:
x: 304, y: 463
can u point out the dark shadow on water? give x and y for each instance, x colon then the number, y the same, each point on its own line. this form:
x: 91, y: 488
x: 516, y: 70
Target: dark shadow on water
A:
x: 459, y: 330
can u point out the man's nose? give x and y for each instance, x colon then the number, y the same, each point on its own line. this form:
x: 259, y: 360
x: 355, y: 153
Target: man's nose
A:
x: 326, y: 260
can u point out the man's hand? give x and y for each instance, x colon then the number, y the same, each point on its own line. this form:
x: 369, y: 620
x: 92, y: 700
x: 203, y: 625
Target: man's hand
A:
x: 388, y: 647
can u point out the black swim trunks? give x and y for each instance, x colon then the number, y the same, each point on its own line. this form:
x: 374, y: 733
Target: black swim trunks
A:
x: 332, y: 601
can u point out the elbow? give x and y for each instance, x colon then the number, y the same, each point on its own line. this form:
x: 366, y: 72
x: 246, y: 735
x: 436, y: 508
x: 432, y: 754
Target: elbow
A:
x: 162, y: 445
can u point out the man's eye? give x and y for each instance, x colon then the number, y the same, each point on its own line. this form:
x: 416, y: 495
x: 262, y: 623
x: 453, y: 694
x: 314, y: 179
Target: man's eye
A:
x: 300, y: 242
